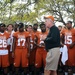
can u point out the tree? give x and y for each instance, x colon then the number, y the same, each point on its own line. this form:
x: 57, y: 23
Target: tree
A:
x: 58, y: 8
x: 22, y: 12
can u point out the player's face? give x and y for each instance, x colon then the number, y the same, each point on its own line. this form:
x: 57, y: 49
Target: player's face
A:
x: 43, y: 28
x: 10, y: 28
x: 35, y: 27
x: 2, y: 29
x: 16, y: 25
x: 68, y: 25
x: 29, y: 29
x: 21, y: 29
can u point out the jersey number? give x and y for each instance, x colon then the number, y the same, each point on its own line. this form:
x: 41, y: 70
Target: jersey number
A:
x: 3, y: 43
x: 68, y: 39
x: 21, y: 40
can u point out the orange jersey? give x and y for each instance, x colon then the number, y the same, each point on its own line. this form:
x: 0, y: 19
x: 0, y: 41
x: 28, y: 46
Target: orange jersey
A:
x: 41, y: 52
x: 21, y: 39
x: 32, y: 36
x: 36, y: 33
x: 69, y: 36
x: 3, y: 40
x: 40, y: 36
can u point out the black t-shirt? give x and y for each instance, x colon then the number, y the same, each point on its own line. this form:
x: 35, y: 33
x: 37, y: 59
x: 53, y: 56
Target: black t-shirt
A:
x: 53, y: 38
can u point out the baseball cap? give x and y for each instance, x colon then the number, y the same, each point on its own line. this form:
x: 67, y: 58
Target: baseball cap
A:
x: 49, y: 17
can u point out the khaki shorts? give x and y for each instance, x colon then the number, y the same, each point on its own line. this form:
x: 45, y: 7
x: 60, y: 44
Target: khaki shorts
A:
x: 52, y: 59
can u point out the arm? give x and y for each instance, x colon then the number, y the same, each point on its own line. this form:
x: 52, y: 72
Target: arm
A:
x: 62, y: 40
x: 35, y: 42
x: 52, y: 36
x: 13, y: 46
x: 28, y: 45
x: 72, y: 45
